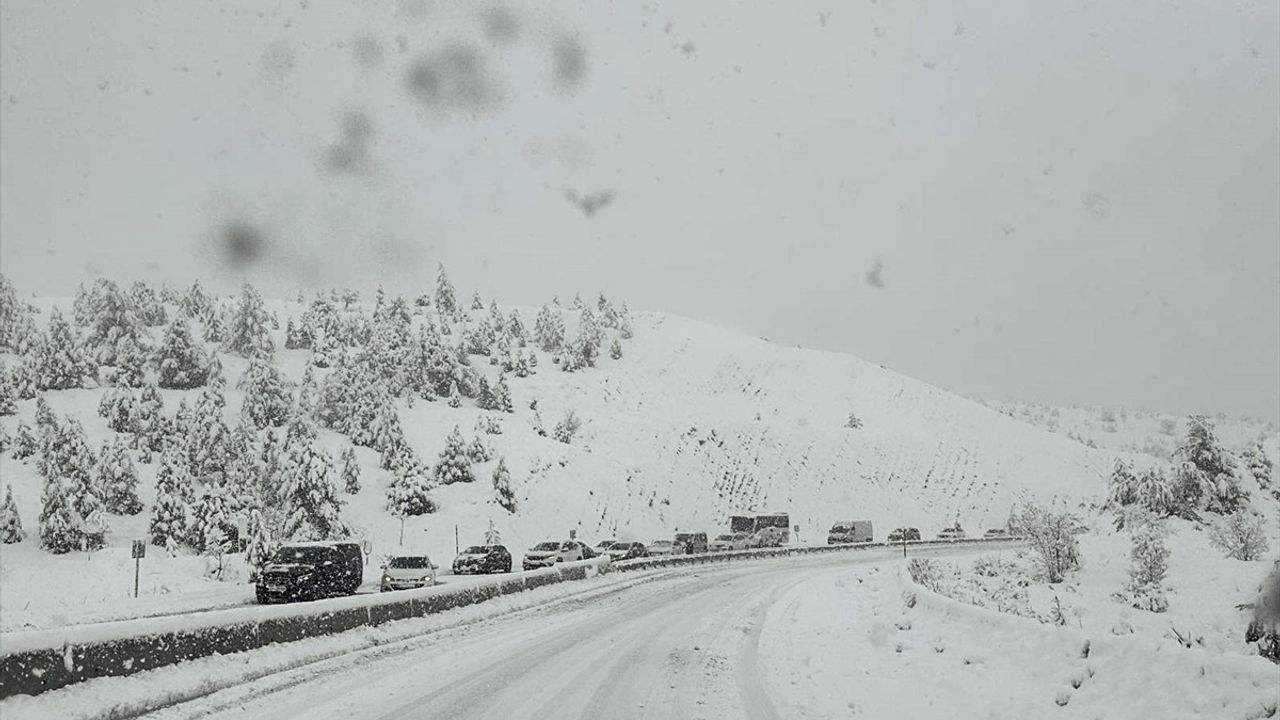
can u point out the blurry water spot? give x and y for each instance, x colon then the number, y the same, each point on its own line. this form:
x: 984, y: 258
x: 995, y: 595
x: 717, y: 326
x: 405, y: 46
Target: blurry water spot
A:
x: 366, y: 51
x: 278, y: 59
x: 823, y: 17
x: 350, y: 154
x: 1098, y: 205
x: 960, y: 30
x: 592, y: 203
x: 570, y: 63
x: 402, y: 43
x: 875, y: 277
x: 413, y: 9
x: 242, y: 244
x: 501, y: 25
x: 689, y: 47
x: 453, y: 78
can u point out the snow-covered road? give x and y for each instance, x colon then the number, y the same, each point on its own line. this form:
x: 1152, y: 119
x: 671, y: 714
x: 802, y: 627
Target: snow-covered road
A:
x: 685, y: 644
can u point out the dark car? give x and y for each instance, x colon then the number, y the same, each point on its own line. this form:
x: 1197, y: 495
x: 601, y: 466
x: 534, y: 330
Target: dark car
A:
x: 904, y: 535
x: 626, y: 551
x: 308, y: 571
x: 482, y: 559
x: 692, y: 542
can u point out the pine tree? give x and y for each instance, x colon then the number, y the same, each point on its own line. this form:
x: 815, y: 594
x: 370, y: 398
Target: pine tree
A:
x: 146, y: 305
x: 10, y: 523
x: 73, y: 462
x: 502, y: 486
x: 209, y: 446
x: 173, y: 490
x: 24, y: 442
x: 1150, y: 564
x: 5, y: 439
x: 211, y: 525
x: 445, y: 302
x: 196, y: 303
x: 478, y: 452
x: 313, y: 510
x: 183, y: 364
x: 23, y: 377
x: 453, y: 465
x: 8, y: 395
x: 60, y: 363
x: 11, y: 312
x: 267, y: 398
x: 476, y: 302
x: 502, y: 396
x: 214, y: 329
x: 262, y: 546
x: 131, y: 364
x: 484, y: 396
x: 118, y: 478
x: 270, y: 464
x: 516, y: 329
x: 148, y: 422
x: 112, y: 321
x: 308, y: 393
x: 1153, y: 493
x: 58, y: 533
x: 455, y: 399
x: 249, y: 333
x: 1257, y: 463
x: 388, y: 437
x: 1222, y: 491
x: 350, y: 472
x: 294, y: 337
x: 409, y: 493
x: 548, y: 330
x: 1123, y: 488
x: 615, y: 350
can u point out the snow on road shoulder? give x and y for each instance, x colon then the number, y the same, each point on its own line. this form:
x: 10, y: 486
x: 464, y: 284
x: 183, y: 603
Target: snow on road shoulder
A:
x: 848, y: 645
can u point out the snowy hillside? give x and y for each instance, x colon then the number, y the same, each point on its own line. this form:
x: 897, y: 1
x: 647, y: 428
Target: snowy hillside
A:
x: 691, y: 424
x: 1138, y: 431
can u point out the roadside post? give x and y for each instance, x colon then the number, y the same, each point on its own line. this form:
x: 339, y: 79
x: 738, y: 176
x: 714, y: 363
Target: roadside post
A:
x: 139, y: 552
x: 456, y: 548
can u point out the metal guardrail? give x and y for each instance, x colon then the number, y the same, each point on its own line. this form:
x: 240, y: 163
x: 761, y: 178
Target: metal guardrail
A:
x: 728, y: 556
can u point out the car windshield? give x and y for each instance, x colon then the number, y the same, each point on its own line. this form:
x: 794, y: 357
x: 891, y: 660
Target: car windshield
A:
x: 661, y: 543
x: 620, y: 546
x: 475, y: 550
x: 405, y: 563
x: 547, y: 546
x: 726, y: 537
x: 302, y: 555
x: 840, y: 528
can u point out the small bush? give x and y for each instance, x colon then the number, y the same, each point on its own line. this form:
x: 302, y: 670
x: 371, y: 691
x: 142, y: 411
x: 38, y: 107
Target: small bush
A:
x: 1240, y: 536
x: 1051, y: 536
x: 566, y: 428
x: 926, y: 572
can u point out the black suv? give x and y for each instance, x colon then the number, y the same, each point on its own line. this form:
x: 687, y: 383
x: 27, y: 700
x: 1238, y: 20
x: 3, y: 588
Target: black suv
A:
x: 311, y: 570
x: 904, y: 535
x: 482, y: 559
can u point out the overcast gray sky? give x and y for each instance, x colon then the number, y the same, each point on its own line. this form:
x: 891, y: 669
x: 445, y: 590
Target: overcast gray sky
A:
x: 1071, y: 202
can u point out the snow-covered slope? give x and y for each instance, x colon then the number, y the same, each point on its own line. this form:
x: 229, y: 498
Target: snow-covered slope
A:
x: 692, y: 424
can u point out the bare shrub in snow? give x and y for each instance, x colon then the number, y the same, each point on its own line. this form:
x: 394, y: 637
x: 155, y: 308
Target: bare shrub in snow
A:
x: 1050, y: 535
x: 926, y: 572
x: 1240, y: 536
x: 566, y: 428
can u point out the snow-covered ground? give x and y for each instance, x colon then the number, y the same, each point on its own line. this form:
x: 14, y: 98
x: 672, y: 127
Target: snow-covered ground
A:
x: 692, y: 424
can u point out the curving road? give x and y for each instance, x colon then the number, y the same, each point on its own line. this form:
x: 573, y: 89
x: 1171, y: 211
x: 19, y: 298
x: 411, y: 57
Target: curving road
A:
x: 684, y: 644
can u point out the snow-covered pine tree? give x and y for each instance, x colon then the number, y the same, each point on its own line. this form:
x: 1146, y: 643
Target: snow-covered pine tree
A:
x: 308, y: 393
x: 388, y: 436
x: 409, y: 493
x: 211, y: 524
x: 615, y: 349
x: 270, y: 467
x: 183, y: 364
x: 1257, y: 463
x: 262, y: 546
x: 58, y: 524
x: 10, y: 522
x: 478, y: 452
x: 217, y: 379
x: 148, y: 422
x: 516, y: 329
x: 445, y: 301
x: 60, y: 363
x: 169, y: 296
x: 196, y: 303
x: 1123, y: 486
x: 267, y: 397
x: 548, y: 330
x: 71, y: 518
x: 111, y: 321
x: 295, y: 338
x: 577, y: 303
x: 502, y: 486
x: 215, y: 331
x: 8, y: 395
x: 313, y: 509
x: 249, y: 331
x: 5, y: 439
x: 455, y: 398
x: 25, y: 443
x: 624, y: 323
x: 132, y: 360
x: 350, y: 474
x: 454, y: 464
x: 10, y: 311
x: 209, y: 445
x: 484, y: 396
x: 169, y: 513
x: 146, y: 305
x: 1149, y: 564
x: 502, y: 396
x: 476, y: 302
x: 23, y: 377
x: 566, y: 428
x: 1152, y: 491
x: 118, y: 478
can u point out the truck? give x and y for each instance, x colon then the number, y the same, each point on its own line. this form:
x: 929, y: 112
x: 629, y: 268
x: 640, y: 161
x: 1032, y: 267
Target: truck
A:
x: 850, y: 531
